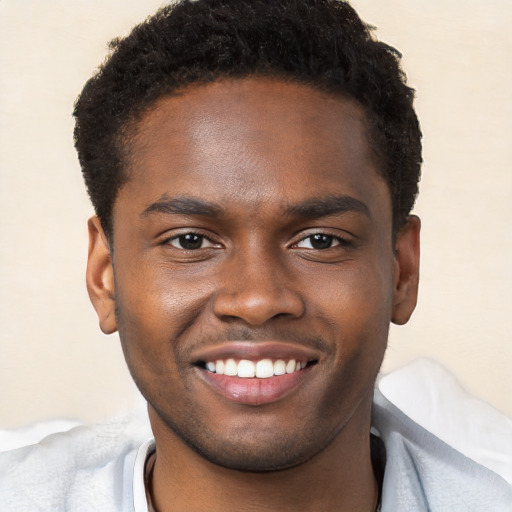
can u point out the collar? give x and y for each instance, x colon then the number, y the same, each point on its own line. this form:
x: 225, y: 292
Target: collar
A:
x: 140, y: 503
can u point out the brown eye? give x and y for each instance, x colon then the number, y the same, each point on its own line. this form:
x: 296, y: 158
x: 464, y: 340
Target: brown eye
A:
x: 321, y: 241
x: 318, y: 241
x: 190, y: 242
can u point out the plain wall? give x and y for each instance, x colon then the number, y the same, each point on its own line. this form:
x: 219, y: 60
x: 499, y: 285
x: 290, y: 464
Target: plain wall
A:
x: 54, y: 361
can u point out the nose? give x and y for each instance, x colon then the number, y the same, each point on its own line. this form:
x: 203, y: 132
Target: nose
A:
x: 256, y: 288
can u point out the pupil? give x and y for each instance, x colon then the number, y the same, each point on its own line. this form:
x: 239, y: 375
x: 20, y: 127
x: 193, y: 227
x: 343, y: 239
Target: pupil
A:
x: 191, y: 241
x: 320, y: 241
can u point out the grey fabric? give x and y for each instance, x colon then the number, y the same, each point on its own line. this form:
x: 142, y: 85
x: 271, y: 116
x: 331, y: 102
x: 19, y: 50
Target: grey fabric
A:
x: 91, y: 469
x: 423, y: 473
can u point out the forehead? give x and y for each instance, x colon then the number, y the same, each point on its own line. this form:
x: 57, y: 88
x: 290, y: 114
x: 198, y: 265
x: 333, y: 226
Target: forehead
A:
x: 256, y: 141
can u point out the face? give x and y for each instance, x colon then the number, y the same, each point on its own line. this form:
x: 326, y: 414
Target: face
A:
x: 253, y: 276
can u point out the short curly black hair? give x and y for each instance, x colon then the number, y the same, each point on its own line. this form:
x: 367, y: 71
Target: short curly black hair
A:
x: 321, y: 43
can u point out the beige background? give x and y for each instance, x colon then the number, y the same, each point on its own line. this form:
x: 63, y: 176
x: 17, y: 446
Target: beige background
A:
x: 54, y: 362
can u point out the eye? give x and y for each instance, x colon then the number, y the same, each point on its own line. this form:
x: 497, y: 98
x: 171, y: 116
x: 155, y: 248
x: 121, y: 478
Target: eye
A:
x: 318, y: 241
x: 190, y: 242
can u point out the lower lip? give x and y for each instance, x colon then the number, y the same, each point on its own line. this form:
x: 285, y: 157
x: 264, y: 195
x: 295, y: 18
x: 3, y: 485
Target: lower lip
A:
x: 255, y: 391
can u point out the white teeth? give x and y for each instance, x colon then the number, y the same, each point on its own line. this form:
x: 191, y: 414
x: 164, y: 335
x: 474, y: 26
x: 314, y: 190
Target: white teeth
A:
x: 230, y: 368
x: 279, y: 367
x: 290, y: 366
x: 262, y: 369
x: 219, y: 367
x: 246, y: 369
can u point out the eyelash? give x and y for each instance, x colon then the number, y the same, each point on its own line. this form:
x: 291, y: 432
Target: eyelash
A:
x: 203, y: 238
x: 339, y: 241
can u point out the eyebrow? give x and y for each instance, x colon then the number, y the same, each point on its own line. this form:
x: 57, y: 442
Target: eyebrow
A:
x: 325, y: 206
x: 183, y: 206
x: 308, y: 209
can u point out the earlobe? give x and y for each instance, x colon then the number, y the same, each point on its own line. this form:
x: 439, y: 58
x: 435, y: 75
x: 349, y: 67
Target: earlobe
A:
x: 100, y: 277
x: 406, y: 270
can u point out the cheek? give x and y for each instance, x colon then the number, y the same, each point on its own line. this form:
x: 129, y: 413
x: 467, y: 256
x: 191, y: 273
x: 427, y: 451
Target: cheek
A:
x: 157, y: 297
x: 353, y: 298
x: 357, y: 308
x: 151, y: 311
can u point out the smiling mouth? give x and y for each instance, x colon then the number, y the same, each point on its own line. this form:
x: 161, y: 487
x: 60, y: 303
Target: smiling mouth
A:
x: 255, y: 373
x: 261, y: 369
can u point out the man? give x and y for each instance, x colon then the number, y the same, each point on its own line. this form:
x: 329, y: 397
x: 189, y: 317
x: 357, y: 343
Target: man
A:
x: 253, y: 165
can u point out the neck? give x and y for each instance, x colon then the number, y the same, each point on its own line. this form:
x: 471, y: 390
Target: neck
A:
x: 339, y: 478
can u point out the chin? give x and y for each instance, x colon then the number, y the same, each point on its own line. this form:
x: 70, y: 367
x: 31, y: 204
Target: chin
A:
x: 252, y: 460
x: 258, y: 450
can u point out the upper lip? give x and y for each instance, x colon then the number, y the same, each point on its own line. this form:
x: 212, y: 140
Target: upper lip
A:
x: 255, y: 351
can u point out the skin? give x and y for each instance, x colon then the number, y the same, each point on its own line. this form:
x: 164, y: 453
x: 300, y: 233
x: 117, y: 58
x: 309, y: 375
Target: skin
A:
x: 267, y: 157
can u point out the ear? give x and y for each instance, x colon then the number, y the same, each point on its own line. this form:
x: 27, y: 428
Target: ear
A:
x: 406, y: 270
x: 100, y: 277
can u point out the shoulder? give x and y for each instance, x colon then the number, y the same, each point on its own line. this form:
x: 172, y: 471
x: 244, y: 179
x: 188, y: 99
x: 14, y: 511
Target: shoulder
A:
x: 84, y: 469
x: 444, y: 449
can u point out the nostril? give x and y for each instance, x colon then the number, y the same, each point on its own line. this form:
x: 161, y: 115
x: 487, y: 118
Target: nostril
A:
x: 256, y: 306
